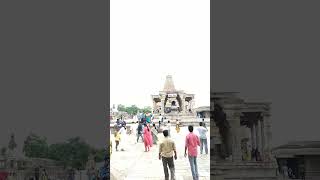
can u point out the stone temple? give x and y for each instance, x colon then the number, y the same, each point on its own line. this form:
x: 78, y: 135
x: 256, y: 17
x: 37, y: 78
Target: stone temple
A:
x: 174, y: 104
x: 241, y: 139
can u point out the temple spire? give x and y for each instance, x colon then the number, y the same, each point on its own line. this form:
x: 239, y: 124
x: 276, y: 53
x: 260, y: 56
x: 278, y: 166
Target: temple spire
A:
x: 12, y: 143
x: 168, y: 85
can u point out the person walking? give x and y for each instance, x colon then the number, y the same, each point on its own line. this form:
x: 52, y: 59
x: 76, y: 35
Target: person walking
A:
x: 44, y: 175
x: 124, y: 139
x: 117, y: 138
x: 160, y: 118
x: 154, y: 134
x: 167, y: 151
x: 147, y: 137
x: 177, y: 126
x: 169, y: 128
x: 203, y: 138
x: 103, y: 172
x: 148, y: 118
x: 139, y: 132
x: 204, y: 124
x: 191, y: 144
x: 134, y: 127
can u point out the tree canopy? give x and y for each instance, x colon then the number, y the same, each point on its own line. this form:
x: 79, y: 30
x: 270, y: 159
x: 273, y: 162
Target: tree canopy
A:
x: 35, y: 146
x: 133, y: 109
x: 72, y: 153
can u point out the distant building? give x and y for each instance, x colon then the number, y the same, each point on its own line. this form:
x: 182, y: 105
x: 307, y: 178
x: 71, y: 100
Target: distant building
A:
x: 300, y: 159
x: 203, y: 111
x: 174, y: 104
x: 14, y: 161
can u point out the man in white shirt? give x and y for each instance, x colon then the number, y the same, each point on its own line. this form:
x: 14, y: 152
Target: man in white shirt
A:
x: 203, y: 138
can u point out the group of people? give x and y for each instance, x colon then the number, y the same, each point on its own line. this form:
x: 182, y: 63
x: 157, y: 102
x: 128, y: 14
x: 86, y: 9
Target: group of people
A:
x: 148, y: 133
x: 168, y: 151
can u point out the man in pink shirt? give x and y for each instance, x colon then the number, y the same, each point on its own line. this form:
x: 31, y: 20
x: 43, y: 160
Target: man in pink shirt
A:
x: 192, y: 143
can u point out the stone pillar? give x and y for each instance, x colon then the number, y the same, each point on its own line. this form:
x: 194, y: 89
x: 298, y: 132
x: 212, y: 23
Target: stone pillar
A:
x: 235, y: 138
x: 258, y: 128
x: 162, y: 106
x: 268, y: 136
x: 154, y: 105
x: 253, y: 136
x: 182, y: 104
x: 263, y: 141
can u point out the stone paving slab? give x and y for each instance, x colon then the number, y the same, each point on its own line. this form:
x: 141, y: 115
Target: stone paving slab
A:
x: 137, y: 164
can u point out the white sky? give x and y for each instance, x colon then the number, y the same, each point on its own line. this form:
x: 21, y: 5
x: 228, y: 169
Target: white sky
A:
x: 150, y: 39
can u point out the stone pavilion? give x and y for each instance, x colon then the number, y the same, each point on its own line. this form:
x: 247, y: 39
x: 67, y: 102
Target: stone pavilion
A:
x: 241, y: 139
x: 172, y: 103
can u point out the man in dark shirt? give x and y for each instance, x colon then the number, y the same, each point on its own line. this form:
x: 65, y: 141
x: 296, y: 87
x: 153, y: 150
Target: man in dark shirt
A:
x: 139, y: 132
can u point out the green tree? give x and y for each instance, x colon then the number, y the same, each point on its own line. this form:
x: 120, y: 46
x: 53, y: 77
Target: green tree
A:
x: 35, y: 146
x: 59, y: 152
x: 100, y: 154
x: 72, y: 153
x: 132, y: 110
x: 121, y: 108
x: 146, y: 109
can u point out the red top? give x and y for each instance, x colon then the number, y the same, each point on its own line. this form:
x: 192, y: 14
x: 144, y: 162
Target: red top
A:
x: 192, y: 143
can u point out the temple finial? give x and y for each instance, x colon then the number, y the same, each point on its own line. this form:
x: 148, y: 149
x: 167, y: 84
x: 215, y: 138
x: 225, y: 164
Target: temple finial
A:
x: 169, y: 85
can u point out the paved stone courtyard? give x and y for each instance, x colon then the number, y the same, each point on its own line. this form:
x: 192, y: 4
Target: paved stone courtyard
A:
x: 135, y: 164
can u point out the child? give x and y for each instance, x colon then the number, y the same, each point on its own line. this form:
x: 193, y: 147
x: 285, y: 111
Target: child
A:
x: 178, y: 126
x: 117, y: 139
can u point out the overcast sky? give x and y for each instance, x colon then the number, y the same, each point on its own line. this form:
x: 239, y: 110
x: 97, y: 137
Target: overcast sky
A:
x: 267, y: 54
x: 151, y: 39
x: 53, y: 71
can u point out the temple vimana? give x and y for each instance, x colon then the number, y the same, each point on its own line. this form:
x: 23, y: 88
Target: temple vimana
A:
x: 174, y: 104
x: 241, y: 139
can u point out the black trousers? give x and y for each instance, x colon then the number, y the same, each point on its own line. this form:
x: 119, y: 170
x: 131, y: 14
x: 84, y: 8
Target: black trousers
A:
x: 168, y: 162
x: 139, y: 135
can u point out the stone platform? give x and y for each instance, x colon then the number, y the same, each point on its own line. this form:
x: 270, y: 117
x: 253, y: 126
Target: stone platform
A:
x: 243, y: 170
x: 135, y: 164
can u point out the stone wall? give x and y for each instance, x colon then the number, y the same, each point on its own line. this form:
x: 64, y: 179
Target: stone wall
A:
x: 312, y: 164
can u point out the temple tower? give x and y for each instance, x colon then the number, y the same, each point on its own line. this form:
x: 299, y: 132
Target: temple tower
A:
x: 173, y: 103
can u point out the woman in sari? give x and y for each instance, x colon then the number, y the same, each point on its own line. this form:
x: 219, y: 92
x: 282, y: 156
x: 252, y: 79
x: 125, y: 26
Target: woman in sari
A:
x: 147, y: 137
